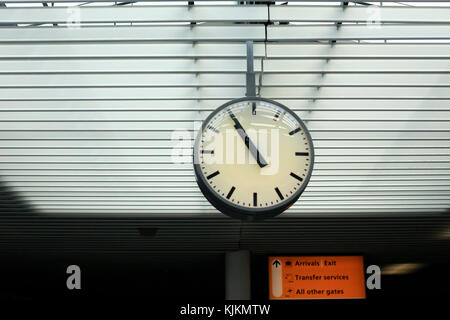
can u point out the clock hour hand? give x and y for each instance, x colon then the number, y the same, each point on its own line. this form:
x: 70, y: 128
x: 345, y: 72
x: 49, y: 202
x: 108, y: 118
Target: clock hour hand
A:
x: 247, y: 141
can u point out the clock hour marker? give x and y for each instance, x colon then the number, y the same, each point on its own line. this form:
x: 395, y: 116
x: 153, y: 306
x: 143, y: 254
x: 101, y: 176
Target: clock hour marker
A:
x: 255, y: 199
x: 212, y: 129
x: 208, y: 151
x: 230, y: 192
x: 254, y: 108
x: 277, y: 115
x: 295, y: 131
x: 296, y: 176
x: 212, y: 175
x: 279, y: 193
x: 302, y: 153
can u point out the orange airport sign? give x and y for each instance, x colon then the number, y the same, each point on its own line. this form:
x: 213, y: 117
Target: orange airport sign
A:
x: 333, y: 277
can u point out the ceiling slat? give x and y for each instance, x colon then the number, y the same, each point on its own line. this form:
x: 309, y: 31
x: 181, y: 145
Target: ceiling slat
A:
x: 136, y: 14
x: 383, y: 14
x: 135, y: 33
x: 125, y: 50
x: 357, y: 32
x: 87, y: 114
x: 285, y: 66
x: 306, y: 50
x: 220, y: 93
x: 301, y: 104
x: 129, y: 80
x: 211, y: 50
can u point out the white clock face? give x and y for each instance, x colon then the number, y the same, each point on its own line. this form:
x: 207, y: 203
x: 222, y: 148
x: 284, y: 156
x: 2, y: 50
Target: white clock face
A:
x: 253, y: 156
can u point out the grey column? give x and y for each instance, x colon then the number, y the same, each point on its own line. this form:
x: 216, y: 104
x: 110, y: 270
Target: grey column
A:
x: 237, y: 275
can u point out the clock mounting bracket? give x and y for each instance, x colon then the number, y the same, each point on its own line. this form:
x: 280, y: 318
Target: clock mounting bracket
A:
x: 250, y: 75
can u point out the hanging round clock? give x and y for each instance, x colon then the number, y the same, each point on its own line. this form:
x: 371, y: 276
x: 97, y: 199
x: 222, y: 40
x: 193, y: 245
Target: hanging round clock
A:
x: 253, y: 158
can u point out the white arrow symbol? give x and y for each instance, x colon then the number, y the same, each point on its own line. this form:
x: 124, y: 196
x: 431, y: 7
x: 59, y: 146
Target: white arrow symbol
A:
x: 277, y: 281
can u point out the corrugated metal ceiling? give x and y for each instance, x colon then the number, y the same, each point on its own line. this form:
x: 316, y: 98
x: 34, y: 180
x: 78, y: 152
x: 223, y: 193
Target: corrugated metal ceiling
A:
x: 88, y: 110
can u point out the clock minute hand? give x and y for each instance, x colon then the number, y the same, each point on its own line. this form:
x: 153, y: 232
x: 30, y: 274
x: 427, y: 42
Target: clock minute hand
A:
x: 247, y: 141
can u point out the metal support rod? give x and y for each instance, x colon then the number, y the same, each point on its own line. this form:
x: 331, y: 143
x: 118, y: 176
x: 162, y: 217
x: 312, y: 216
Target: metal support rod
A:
x: 237, y: 275
x: 251, y: 87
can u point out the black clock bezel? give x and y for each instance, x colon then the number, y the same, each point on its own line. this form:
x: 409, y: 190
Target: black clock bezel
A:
x: 240, y: 212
